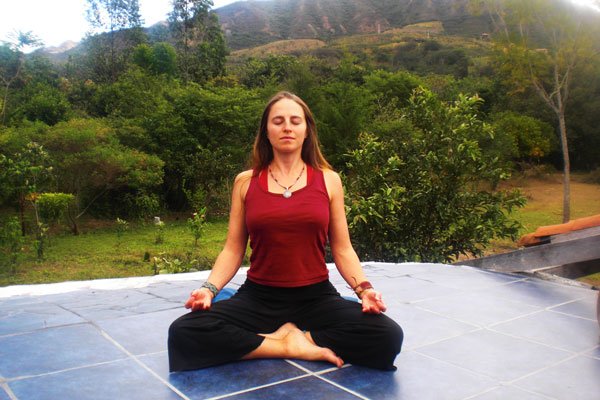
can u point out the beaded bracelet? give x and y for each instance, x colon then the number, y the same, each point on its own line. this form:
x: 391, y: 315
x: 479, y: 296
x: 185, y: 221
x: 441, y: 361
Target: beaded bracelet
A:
x: 213, y: 289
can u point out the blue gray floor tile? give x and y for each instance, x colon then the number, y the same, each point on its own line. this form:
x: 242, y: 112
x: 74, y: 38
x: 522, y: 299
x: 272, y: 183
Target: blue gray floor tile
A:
x: 469, y: 335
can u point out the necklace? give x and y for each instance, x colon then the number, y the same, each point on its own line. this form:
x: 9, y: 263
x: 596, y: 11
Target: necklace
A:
x: 287, y: 193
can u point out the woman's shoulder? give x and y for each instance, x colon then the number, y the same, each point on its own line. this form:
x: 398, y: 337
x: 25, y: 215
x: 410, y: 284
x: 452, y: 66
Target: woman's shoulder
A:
x: 333, y: 182
x: 331, y: 176
x: 242, y: 182
x: 244, y: 176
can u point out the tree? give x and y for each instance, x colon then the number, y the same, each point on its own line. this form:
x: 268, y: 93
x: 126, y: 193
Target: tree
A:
x: 90, y: 162
x: 160, y: 58
x: 24, y: 172
x: 113, y: 16
x: 269, y: 71
x: 198, y: 39
x: 391, y: 86
x: 540, y: 43
x: 42, y: 102
x: 12, y: 60
x: 418, y: 188
x: 529, y: 139
x: 209, y: 141
x: 343, y: 113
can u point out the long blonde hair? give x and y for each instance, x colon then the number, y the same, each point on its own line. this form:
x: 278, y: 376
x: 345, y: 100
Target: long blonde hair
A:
x: 262, y: 153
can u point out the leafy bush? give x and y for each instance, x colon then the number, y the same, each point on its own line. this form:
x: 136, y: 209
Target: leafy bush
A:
x: 417, y: 191
x: 141, y: 205
x: 122, y: 227
x: 52, y: 206
x: 168, y: 265
x: 197, y: 223
x: 11, y: 242
x: 532, y: 139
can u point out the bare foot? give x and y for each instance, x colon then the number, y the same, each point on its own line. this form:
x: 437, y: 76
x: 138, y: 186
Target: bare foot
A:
x: 281, y: 332
x: 298, y: 346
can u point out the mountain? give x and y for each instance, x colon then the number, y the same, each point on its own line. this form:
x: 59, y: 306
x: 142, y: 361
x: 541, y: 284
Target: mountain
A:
x: 66, y: 46
x: 251, y: 23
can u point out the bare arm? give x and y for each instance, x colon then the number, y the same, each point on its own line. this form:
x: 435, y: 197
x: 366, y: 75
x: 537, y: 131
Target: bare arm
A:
x: 344, y: 256
x: 229, y: 260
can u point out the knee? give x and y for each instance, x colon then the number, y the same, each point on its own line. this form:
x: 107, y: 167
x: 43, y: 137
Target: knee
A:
x: 395, y: 337
x: 175, y: 329
x: 178, y: 327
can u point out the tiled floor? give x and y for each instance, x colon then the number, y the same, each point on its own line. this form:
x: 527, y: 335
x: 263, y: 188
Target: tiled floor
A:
x: 469, y: 334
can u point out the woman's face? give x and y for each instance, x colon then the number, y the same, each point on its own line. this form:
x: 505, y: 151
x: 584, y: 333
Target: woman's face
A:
x: 286, y: 127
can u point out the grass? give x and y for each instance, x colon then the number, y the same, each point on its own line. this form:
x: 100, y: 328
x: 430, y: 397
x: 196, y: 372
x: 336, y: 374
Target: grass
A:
x: 98, y: 253
x: 544, y: 194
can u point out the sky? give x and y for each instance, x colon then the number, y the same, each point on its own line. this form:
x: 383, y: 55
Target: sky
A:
x: 56, y: 21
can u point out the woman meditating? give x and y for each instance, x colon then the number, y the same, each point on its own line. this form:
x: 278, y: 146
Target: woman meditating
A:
x: 289, y: 205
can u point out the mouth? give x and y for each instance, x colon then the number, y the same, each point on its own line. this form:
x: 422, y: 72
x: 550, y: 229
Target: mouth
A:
x: 287, y: 138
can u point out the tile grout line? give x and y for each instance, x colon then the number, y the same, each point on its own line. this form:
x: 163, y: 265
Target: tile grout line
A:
x: 513, y: 381
x: 554, y: 364
x: 439, y: 314
x: 40, y: 375
x: 319, y: 374
x: 458, y: 366
x: 342, y: 388
x: 84, y: 322
x: 129, y: 354
x: 571, y: 315
x: 8, y: 391
x: 508, y: 385
x: 137, y: 361
x: 539, y: 343
x: 308, y: 373
x: 258, y: 387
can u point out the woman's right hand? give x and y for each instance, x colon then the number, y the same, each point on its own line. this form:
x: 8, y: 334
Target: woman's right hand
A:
x: 200, y: 299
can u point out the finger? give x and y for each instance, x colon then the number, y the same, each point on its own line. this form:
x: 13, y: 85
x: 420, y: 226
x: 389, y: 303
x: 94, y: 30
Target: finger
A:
x: 190, y: 302
x: 367, y: 308
x: 198, y: 305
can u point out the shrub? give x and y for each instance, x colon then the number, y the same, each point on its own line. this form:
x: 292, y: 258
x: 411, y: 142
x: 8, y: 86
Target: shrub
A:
x: 197, y: 223
x: 420, y: 194
x: 52, y: 206
x: 11, y: 242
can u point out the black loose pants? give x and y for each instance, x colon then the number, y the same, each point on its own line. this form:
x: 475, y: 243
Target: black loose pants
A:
x: 229, y: 330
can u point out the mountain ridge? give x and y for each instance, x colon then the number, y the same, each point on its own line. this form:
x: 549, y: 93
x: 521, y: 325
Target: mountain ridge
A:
x: 251, y: 23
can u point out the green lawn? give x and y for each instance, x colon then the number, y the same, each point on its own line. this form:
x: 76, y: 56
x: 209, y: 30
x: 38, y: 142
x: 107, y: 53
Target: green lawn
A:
x: 98, y: 253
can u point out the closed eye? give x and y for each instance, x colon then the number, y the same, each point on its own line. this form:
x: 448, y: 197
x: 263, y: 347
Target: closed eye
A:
x: 294, y: 120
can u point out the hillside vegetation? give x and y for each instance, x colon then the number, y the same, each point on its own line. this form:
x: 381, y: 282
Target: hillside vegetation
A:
x: 249, y: 23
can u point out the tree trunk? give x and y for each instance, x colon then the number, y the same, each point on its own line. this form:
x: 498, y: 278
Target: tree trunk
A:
x: 4, y: 104
x: 22, y: 214
x: 566, y: 168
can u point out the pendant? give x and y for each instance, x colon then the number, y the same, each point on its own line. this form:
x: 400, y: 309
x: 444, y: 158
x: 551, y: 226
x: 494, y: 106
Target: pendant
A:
x: 287, y: 194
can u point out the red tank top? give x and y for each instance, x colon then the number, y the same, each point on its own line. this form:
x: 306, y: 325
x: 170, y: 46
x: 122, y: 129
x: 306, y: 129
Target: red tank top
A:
x: 288, y: 236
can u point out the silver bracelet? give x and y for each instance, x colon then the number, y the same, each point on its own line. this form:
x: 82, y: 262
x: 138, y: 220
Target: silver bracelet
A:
x: 213, y: 289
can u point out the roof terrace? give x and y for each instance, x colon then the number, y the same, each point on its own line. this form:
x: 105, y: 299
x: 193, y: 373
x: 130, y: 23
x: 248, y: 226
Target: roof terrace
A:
x: 469, y: 334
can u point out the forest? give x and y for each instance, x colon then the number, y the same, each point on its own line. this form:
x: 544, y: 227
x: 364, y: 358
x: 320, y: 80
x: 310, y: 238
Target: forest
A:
x: 422, y: 125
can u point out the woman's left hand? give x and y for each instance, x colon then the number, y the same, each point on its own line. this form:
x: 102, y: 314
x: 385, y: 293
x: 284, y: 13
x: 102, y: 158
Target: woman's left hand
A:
x: 372, y: 303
